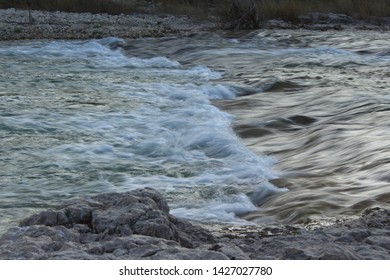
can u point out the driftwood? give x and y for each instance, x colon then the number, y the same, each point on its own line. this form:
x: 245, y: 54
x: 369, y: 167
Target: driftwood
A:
x: 244, y: 13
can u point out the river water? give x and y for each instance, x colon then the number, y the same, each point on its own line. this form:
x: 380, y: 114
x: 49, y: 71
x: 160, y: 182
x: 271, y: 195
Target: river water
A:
x: 265, y: 127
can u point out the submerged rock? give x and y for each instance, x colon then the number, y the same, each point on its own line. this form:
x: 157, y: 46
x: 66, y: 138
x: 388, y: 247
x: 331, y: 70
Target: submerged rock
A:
x: 137, y: 225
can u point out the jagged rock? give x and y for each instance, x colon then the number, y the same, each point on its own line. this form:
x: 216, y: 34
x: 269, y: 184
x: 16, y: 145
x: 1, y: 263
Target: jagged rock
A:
x: 131, y: 225
x: 137, y: 225
x: 230, y: 250
x: 364, y: 238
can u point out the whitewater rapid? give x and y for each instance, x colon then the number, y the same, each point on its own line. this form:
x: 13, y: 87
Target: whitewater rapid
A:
x: 82, y: 117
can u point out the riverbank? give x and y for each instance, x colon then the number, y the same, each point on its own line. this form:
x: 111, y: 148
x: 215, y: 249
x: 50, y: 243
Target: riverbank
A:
x: 138, y: 225
x: 16, y: 25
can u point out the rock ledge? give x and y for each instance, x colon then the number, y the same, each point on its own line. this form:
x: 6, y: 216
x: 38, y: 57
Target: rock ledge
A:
x: 137, y: 225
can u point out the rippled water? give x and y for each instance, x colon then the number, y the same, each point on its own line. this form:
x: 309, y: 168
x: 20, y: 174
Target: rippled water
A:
x: 271, y: 126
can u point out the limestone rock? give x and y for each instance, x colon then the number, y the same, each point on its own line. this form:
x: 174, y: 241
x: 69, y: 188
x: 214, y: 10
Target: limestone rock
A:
x: 137, y: 225
x: 132, y: 225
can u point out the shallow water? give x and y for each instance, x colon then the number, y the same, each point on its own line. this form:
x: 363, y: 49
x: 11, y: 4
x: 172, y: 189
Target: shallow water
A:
x: 265, y: 127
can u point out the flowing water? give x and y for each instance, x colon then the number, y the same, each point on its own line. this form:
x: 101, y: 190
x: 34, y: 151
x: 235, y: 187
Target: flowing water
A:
x: 265, y: 127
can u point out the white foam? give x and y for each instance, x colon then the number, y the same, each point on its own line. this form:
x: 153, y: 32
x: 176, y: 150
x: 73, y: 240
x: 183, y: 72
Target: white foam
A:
x: 99, y: 53
x: 155, y: 62
x: 206, y: 72
x: 154, y: 126
x: 218, y: 91
x: 223, y: 210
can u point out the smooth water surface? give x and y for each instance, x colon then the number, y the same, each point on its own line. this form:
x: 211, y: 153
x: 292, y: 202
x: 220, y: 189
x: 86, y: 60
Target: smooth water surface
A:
x: 271, y: 126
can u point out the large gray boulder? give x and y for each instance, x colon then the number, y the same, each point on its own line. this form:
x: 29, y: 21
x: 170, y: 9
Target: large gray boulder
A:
x: 132, y: 225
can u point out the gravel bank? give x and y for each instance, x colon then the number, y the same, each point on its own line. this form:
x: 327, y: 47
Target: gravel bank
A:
x: 137, y: 225
x: 14, y: 25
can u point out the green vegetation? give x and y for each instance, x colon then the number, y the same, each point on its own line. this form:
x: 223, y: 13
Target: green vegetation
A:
x: 17, y: 30
x: 266, y: 9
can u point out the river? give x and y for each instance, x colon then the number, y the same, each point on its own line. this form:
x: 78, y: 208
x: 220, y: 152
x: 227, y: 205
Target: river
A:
x: 268, y: 127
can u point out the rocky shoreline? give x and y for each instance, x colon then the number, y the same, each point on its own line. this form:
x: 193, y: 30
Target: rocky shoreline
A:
x: 138, y: 225
x: 330, y: 21
x: 16, y: 25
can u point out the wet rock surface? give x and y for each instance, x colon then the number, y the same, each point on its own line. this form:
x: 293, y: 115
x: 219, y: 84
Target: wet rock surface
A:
x: 137, y: 225
x: 134, y: 225
x: 353, y: 239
